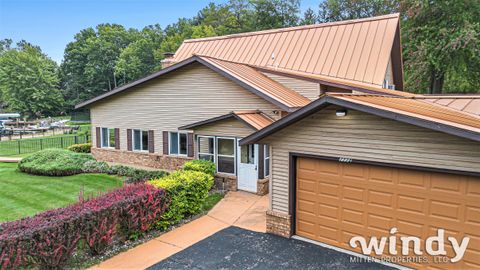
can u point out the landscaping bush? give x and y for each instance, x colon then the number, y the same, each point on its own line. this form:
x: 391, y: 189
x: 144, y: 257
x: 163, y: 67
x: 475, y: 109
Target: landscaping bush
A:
x: 200, y: 165
x: 54, y: 162
x: 49, y: 239
x: 133, y: 175
x: 93, y: 166
x: 187, y: 191
x: 81, y: 148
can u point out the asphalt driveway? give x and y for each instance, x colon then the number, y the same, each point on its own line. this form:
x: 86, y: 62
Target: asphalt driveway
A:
x: 236, y: 248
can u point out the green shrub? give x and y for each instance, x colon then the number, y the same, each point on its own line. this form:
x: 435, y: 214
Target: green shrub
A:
x: 200, y: 165
x: 81, y: 148
x: 93, y: 166
x: 187, y: 191
x: 133, y: 175
x: 54, y: 162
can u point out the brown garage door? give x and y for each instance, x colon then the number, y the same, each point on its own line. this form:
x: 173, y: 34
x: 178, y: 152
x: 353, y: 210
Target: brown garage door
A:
x: 336, y: 201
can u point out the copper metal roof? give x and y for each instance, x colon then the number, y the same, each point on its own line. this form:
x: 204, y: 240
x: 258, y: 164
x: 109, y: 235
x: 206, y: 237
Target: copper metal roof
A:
x: 255, y: 119
x: 357, y: 86
x: 403, y: 109
x: 258, y: 120
x: 355, y: 50
x: 256, y: 79
x: 417, y: 108
x: 465, y: 103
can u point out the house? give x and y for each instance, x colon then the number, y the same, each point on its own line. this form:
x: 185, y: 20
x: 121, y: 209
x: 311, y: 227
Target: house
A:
x: 316, y: 116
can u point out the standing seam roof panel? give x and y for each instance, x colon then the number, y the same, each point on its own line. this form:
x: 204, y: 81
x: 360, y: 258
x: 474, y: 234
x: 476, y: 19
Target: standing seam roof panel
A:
x: 356, y: 50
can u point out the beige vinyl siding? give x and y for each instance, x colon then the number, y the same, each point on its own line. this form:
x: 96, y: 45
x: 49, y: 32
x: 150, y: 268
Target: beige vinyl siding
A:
x: 229, y: 128
x: 191, y: 94
x: 365, y: 137
x: 308, y: 89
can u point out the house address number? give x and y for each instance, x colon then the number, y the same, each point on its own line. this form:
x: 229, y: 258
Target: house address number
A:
x: 345, y: 160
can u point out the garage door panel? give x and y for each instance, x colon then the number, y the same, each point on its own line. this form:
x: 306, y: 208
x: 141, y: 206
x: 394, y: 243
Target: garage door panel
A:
x: 443, y: 210
x: 411, y: 204
x: 412, y: 179
x: 472, y: 215
x: 357, y: 199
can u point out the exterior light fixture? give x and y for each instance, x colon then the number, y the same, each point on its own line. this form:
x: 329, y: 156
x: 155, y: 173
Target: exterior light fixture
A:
x: 341, y: 112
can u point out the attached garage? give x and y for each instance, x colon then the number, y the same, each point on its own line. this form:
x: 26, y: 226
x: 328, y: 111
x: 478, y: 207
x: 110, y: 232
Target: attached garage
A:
x: 335, y: 201
x: 381, y: 163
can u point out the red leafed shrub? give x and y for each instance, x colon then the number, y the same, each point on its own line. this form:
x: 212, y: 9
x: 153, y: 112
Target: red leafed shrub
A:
x: 49, y: 239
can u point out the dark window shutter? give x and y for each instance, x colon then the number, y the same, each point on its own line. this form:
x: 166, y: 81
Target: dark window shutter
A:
x: 190, y: 151
x: 117, y: 138
x: 129, y: 139
x: 165, y: 142
x: 97, y: 135
x: 151, y: 141
x: 261, y: 161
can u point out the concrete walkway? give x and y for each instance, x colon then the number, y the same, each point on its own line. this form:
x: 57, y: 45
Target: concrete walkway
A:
x: 10, y: 159
x: 240, y: 209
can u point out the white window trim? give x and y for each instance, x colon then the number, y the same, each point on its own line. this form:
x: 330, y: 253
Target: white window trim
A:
x: 265, y: 149
x: 234, y: 154
x: 108, y: 136
x: 207, y: 154
x: 178, y: 143
x: 141, y: 143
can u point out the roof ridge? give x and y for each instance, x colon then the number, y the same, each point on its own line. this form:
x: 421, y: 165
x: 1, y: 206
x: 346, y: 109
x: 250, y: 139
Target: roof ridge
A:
x: 294, y: 28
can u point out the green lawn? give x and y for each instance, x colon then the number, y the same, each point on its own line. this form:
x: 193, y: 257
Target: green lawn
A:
x: 24, y: 195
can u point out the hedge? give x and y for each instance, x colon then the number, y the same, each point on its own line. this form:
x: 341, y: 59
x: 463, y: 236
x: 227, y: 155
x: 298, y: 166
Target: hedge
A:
x: 49, y: 239
x: 133, y: 175
x: 187, y: 191
x: 54, y: 162
x: 200, y: 165
x: 81, y: 148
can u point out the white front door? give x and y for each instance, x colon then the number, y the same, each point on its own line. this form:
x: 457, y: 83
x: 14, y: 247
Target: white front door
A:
x: 247, y: 156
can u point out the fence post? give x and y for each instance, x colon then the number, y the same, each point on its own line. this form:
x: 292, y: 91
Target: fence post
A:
x: 19, y: 148
x: 41, y: 144
x: 61, y: 142
x: 75, y: 139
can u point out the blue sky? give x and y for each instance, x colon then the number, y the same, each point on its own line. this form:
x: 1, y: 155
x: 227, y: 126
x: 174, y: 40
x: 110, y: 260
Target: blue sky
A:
x: 51, y: 24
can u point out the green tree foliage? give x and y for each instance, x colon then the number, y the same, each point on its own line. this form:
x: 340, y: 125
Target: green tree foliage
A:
x: 88, y: 68
x: 338, y: 10
x: 29, y: 82
x: 441, y: 45
x: 309, y: 17
x: 140, y: 58
x: 271, y: 14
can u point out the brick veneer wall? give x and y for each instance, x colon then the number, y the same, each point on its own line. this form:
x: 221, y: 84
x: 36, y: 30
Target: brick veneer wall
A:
x: 279, y: 224
x: 262, y: 187
x: 152, y: 160
x: 225, y: 182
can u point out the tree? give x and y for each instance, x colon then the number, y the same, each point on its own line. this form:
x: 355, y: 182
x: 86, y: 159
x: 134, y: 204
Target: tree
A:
x: 339, y: 10
x: 271, y: 14
x: 442, y: 45
x: 139, y: 58
x: 309, y: 17
x: 88, y: 68
x: 29, y: 81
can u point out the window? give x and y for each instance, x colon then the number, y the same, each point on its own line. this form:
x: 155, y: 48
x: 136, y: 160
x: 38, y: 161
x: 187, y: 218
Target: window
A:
x: 226, y: 155
x: 247, y: 155
x: 140, y: 140
x: 267, y: 161
x: 206, y: 148
x: 178, y: 143
x: 108, y: 137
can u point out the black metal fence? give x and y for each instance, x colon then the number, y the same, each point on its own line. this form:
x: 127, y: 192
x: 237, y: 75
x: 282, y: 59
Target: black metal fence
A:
x: 26, y: 146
